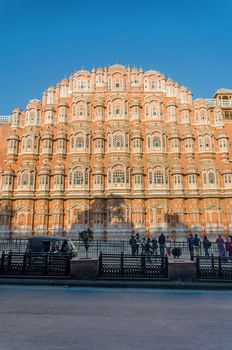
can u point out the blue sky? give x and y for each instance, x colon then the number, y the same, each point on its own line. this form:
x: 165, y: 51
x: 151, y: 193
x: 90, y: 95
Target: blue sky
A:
x: 42, y: 41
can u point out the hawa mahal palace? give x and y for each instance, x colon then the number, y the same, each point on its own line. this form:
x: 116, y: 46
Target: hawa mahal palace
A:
x: 118, y: 150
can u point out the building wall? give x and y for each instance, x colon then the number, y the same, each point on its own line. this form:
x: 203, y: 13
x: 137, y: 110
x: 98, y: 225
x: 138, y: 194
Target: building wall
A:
x: 117, y: 150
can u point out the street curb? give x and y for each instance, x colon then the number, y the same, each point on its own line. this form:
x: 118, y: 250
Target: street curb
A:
x: 202, y: 285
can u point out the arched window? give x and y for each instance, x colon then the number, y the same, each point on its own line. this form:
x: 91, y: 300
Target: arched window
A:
x: 117, y: 83
x: 207, y: 143
x: 203, y: 114
x: 223, y: 145
x: 24, y: 178
x: 218, y: 118
x: 32, y: 116
x: 189, y: 145
x: 32, y: 178
x: 171, y: 112
x: 82, y: 84
x: 211, y: 178
x: 185, y: 116
x: 204, y: 178
x: 28, y: 143
x: 154, y: 109
x: 152, y: 83
x: 80, y: 109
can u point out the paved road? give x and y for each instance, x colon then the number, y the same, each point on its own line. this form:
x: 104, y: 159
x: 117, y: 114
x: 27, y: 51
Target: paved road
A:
x: 52, y: 318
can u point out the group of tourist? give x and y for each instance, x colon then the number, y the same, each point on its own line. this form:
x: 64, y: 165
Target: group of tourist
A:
x: 162, y: 246
x: 150, y: 246
x: 224, y: 246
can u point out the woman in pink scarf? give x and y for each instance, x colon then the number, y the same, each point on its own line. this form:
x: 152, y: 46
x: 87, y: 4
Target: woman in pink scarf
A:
x: 220, y: 245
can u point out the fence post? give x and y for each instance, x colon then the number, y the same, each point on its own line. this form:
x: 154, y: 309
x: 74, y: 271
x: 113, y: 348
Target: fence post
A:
x: 220, y: 267
x: 122, y: 264
x: 9, y: 258
x: 212, y: 264
x: 198, y: 267
x: 68, y: 264
x: 100, y: 264
x: 24, y: 264
x: 2, y: 262
x: 143, y: 265
x: 166, y: 266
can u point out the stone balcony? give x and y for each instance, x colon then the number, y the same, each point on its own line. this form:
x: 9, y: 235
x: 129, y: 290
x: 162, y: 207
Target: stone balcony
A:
x: 219, y: 103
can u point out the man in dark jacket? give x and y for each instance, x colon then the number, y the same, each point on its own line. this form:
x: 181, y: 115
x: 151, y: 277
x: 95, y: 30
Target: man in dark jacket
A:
x: 190, y: 241
x: 162, y: 241
x: 133, y: 245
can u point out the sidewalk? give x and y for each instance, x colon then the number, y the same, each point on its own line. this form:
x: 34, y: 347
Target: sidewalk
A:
x: 155, y: 284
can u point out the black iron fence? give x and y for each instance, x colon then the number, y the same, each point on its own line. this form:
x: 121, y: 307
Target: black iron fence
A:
x: 214, y: 267
x: 132, y: 267
x: 114, y: 247
x: 15, y: 245
x: 35, y: 264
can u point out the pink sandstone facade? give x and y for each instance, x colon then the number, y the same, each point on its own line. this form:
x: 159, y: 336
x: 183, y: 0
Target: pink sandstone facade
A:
x: 118, y: 150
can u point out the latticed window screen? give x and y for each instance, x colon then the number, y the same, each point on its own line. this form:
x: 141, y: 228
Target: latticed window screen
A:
x: 80, y: 142
x: 150, y: 177
x: 211, y: 178
x: 192, y: 179
x: 118, y: 140
x: 99, y: 143
x: 118, y: 176
x: 137, y: 143
x: 158, y: 177
x: 153, y: 109
x: 156, y: 142
x: 204, y: 179
x: 78, y: 178
x: 24, y: 179
x: 138, y: 179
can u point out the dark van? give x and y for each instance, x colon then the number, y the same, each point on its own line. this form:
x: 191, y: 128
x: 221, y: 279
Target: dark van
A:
x: 46, y: 245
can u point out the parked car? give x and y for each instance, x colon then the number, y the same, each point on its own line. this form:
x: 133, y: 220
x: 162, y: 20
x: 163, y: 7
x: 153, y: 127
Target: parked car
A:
x: 53, y: 245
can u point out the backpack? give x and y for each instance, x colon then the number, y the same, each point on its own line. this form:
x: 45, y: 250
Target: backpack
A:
x: 196, y: 241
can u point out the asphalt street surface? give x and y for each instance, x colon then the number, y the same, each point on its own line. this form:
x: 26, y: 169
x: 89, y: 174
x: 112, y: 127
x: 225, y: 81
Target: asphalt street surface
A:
x: 115, y: 319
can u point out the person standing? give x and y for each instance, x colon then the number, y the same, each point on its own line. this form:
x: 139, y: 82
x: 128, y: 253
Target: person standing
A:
x: 148, y: 249
x: 197, y: 244
x: 138, y: 243
x: 154, y: 244
x: 133, y: 245
x: 191, y: 245
x: 143, y: 242
x: 162, y: 241
x: 220, y: 244
x: 228, y: 246
x: 206, y: 245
